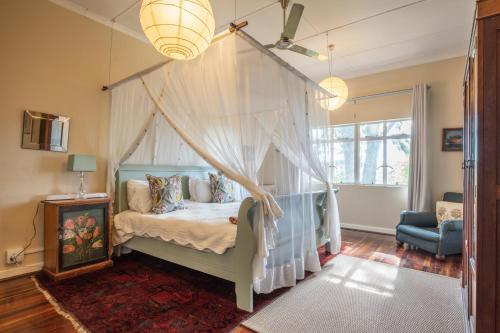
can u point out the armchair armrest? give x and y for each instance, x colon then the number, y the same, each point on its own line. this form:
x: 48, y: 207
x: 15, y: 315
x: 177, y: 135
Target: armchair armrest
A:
x: 450, y: 225
x: 418, y: 219
x: 450, y: 237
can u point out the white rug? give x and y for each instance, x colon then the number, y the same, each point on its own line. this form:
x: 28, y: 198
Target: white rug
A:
x: 357, y: 295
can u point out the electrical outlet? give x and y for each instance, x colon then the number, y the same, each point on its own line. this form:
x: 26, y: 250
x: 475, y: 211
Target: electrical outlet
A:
x: 10, y: 256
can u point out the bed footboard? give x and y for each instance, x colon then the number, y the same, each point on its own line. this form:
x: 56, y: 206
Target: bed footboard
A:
x: 246, y: 247
x: 319, y: 220
x: 291, y: 202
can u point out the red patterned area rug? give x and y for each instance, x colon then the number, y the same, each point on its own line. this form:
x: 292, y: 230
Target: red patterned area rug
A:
x: 141, y: 293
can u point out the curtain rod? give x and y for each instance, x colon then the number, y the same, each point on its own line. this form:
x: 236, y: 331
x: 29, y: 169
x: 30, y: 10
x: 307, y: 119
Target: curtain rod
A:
x: 232, y: 28
x: 382, y: 94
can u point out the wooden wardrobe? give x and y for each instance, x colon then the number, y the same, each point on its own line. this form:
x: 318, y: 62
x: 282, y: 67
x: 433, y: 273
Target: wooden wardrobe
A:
x: 481, y: 255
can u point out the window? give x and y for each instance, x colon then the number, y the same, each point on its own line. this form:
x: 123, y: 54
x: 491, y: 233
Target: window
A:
x: 342, y: 169
x: 368, y: 153
x: 384, y: 151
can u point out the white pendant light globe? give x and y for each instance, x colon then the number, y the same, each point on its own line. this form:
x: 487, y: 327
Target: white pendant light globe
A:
x: 179, y: 29
x: 338, y: 88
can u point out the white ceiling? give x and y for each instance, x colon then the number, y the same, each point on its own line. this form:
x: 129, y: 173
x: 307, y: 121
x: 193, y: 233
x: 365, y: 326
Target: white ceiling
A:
x: 369, y: 35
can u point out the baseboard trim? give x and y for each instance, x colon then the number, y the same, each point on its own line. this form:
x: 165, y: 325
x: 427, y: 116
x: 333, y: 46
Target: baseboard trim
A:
x: 21, y: 270
x: 368, y: 228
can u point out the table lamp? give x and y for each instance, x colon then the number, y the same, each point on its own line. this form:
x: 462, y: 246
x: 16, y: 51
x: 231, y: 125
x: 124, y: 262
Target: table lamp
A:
x: 81, y: 164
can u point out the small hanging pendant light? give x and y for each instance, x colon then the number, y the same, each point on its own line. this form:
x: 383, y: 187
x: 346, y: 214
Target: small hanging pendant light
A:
x: 338, y: 88
x: 334, y: 85
x: 179, y: 29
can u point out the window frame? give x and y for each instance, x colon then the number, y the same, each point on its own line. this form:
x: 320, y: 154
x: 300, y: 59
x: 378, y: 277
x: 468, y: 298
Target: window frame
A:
x: 357, y: 139
x: 344, y: 140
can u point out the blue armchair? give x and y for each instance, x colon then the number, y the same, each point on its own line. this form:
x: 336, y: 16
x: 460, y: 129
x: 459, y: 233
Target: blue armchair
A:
x: 420, y: 230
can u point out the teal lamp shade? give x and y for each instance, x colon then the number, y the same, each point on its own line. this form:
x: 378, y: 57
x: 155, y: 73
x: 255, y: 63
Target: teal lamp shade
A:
x: 81, y: 163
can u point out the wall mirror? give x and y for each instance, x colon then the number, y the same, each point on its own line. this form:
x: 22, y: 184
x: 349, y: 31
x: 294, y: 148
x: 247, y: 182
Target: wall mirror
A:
x: 44, y: 131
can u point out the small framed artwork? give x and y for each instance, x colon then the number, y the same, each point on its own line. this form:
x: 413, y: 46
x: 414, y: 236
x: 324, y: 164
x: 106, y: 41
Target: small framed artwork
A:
x: 453, y: 139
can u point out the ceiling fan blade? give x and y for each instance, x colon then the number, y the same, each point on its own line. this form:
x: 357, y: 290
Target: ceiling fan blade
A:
x: 269, y: 46
x: 292, y: 23
x: 307, y: 52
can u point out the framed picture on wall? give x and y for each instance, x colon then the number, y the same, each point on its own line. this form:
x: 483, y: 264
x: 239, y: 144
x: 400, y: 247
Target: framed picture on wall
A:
x: 453, y: 139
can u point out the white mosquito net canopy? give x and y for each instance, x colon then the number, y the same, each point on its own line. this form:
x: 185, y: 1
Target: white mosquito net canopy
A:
x: 228, y: 108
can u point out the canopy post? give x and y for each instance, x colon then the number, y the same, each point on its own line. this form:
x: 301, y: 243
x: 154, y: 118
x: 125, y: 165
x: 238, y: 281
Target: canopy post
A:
x: 233, y: 27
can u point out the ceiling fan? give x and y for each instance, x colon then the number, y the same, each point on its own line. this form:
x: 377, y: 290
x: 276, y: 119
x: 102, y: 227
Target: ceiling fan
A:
x: 290, y: 26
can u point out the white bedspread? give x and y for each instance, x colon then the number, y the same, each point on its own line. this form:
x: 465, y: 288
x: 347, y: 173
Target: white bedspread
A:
x: 203, y: 226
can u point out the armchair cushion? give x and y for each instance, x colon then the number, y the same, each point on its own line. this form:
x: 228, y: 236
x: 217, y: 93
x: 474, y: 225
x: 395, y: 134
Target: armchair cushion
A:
x: 418, y: 219
x: 428, y: 234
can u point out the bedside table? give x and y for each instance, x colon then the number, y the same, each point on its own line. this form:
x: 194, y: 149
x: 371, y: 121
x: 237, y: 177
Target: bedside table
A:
x: 77, y: 236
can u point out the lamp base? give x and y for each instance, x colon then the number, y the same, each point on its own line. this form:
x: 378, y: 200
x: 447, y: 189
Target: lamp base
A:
x: 81, y: 190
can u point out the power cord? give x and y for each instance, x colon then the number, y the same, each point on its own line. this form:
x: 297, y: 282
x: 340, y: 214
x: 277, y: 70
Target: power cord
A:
x: 32, y: 238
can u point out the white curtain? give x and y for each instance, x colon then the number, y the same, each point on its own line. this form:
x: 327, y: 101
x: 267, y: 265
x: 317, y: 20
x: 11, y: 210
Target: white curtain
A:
x: 214, y: 103
x: 419, y: 193
x: 317, y: 153
x: 162, y: 145
x: 138, y: 134
x: 306, y: 122
x: 227, y: 106
x: 132, y: 114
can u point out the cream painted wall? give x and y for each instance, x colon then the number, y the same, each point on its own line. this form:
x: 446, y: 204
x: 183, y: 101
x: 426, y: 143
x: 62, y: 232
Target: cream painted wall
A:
x: 54, y: 61
x: 377, y: 208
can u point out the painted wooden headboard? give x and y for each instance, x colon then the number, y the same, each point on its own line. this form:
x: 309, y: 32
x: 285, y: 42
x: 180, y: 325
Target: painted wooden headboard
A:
x: 127, y: 172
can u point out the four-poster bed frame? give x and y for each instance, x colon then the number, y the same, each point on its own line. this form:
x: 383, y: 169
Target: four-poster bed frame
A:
x: 236, y: 264
x: 233, y: 265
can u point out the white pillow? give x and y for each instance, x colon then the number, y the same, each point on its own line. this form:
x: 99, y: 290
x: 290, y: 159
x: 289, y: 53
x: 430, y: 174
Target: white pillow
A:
x: 192, y: 189
x: 139, y: 196
x: 203, y: 191
x: 199, y: 190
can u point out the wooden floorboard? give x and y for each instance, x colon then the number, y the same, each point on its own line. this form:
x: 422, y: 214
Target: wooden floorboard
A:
x: 24, y: 309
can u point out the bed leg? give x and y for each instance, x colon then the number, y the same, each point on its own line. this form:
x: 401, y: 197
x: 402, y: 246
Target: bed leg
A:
x: 328, y: 248
x: 244, y: 296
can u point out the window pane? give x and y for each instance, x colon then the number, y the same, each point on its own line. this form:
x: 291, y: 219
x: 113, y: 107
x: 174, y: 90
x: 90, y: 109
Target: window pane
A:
x: 398, y: 154
x: 324, y: 153
x: 399, y: 127
x: 317, y: 134
x: 343, y: 162
x: 371, y: 160
x: 344, y: 132
x: 371, y: 130
x: 322, y: 133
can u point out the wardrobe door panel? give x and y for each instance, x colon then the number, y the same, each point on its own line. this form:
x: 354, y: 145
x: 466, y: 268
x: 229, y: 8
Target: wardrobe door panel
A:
x: 485, y: 232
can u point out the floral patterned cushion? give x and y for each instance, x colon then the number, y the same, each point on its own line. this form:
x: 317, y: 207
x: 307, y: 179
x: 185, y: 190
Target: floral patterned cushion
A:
x: 446, y: 210
x: 222, y: 188
x: 166, y: 193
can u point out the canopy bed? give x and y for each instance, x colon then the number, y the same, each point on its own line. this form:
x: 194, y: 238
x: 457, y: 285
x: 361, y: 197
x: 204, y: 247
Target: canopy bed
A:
x: 233, y: 264
x: 224, y: 111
